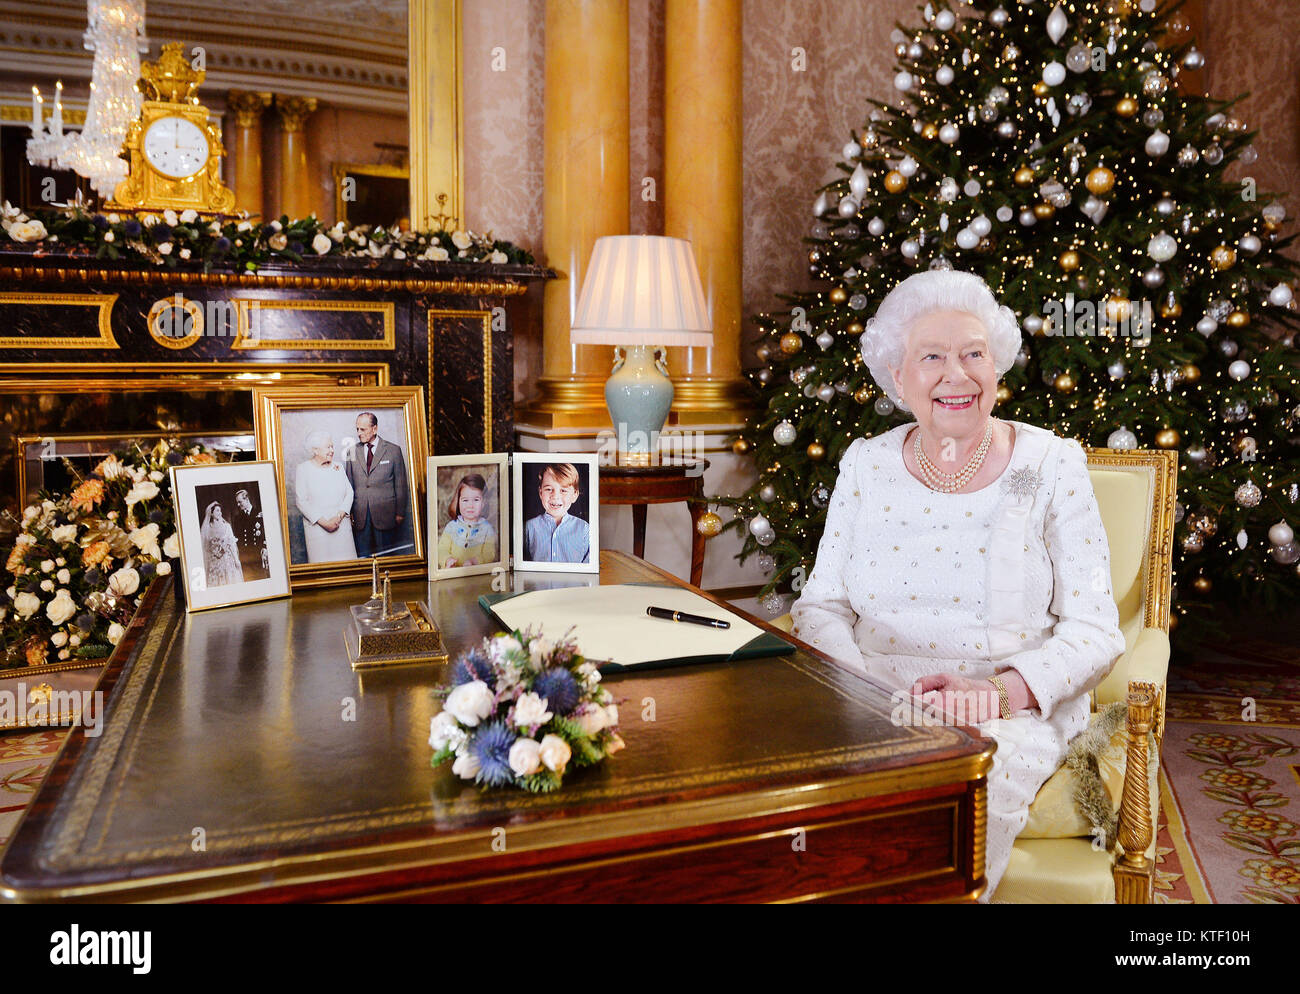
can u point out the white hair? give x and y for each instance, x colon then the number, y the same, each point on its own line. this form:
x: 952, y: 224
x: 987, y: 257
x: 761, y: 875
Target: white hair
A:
x: 317, y: 439
x: 885, y: 339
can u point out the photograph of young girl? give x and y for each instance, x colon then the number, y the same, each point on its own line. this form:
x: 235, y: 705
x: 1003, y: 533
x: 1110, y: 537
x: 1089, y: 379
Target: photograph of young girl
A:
x: 466, y: 514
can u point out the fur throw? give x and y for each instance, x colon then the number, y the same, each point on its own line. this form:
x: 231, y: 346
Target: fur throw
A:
x: 1091, y: 797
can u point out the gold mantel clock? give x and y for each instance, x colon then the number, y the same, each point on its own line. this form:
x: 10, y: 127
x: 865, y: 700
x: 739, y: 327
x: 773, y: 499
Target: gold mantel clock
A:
x: 174, y: 152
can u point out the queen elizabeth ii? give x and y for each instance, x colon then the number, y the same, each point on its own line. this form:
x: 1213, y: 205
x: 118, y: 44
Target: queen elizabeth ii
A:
x: 964, y: 557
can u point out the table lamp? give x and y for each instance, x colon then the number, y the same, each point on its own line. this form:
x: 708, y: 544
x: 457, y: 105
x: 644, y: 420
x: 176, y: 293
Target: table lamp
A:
x: 640, y: 291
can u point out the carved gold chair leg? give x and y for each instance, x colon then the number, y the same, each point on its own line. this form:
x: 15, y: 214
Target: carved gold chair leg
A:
x: 1134, y: 871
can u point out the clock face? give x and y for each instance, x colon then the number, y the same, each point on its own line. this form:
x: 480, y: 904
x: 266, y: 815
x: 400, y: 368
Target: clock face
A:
x: 176, y: 147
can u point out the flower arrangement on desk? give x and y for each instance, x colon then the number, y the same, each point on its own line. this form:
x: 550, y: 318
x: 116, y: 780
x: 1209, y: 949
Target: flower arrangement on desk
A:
x: 170, y: 238
x: 81, y: 560
x: 520, y: 710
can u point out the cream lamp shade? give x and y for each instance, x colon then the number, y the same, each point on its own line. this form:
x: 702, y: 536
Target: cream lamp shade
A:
x: 641, y: 290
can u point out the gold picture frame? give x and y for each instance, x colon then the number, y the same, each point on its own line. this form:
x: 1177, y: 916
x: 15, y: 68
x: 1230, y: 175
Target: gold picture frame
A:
x: 285, y: 419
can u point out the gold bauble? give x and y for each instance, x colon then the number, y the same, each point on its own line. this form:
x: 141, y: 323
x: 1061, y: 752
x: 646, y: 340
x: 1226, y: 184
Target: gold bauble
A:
x: 929, y: 131
x: 791, y: 343
x: 839, y: 295
x: 1100, y: 180
x: 1069, y: 260
x: 1126, y: 107
x: 1064, y: 383
x: 1167, y: 438
x: 709, y: 524
x: 740, y: 446
x: 816, y: 451
x: 1118, y: 309
x: 1041, y: 89
x: 895, y: 182
x: 1004, y: 393
x: 1202, y: 585
x: 792, y: 507
x: 1191, y: 373
x: 1272, y: 225
x: 1044, y: 211
x: 862, y: 395
x: 1170, y: 307
x: 854, y: 328
x: 1238, y: 319
x: 1223, y: 257
x: 1024, y: 176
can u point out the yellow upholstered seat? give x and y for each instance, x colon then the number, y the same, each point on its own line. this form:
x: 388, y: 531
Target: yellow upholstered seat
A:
x: 1136, y: 492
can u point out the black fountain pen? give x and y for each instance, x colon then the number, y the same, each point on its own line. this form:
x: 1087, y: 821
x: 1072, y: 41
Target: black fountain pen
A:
x: 690, y: 619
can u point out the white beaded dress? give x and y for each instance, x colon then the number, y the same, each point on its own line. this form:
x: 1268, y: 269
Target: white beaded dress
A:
x: 909, y: 582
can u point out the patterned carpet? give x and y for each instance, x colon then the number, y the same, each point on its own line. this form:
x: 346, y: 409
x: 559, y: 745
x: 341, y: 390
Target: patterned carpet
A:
x: 1230, y: 778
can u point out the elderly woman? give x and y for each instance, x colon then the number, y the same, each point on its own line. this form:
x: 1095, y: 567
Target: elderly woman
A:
x: 964, y: 556
x: 324, y: 498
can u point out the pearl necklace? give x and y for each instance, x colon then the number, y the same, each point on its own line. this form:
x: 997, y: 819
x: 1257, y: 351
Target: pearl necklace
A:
x: 946, y: 483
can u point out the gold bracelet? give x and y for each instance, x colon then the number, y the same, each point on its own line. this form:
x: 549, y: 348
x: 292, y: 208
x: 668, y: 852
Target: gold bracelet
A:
x: 1004, y: 702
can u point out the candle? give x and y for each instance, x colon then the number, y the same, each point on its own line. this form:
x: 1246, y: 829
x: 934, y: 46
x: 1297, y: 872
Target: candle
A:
x: 57, y: 126
x: 36, y: 112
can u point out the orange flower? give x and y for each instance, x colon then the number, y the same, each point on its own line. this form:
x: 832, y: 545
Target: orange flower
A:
x: 36, y: 652
x: 95, y: 553
x: 15, y: 562
x: 199, y: 459
x: 86, y: 496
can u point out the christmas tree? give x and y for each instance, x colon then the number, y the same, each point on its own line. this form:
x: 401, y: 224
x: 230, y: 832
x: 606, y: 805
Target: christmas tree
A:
x: 1048, y: 148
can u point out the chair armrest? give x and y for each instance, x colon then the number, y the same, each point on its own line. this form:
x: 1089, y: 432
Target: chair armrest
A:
x: 785, y: 622
x: 1146, y: 662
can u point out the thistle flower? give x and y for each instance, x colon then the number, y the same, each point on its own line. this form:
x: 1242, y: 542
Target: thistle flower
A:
x: 491, y: 747
x: 473, y: 665
x: 560, y: 689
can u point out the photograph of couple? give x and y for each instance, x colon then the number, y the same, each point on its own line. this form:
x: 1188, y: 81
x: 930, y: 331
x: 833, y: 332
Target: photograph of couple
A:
x: 233, y: 534
x: 352, y: 492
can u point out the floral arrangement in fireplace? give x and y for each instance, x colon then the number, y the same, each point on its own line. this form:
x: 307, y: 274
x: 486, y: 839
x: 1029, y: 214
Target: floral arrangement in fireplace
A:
x: 82, y: 560
x: 520, y: 710
x: 173, y: 239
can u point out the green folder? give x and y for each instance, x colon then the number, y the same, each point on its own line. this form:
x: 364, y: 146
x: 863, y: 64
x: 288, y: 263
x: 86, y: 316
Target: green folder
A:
x: 765, y: 644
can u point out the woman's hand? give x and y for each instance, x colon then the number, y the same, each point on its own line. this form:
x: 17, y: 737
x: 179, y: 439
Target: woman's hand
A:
x: 451, y: 561
x: 965, y: 701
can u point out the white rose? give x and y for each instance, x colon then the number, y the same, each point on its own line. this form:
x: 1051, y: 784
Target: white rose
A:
x: 445, y: 732
x: 214, y: 228
x: 538, y: 650
x: 172, y: 547
x: 115, y: 633
x: 124, y: 582
x: 74, y: 640
x: 276, y: 226
x: 436, y: 253
x: 146, y: 540
x: 61, y: 608
x: 244, y: 226
x: 189, y: 215
x: 27, y: 231
x: 30, y: 513
x: 615, y: 744
x: 592, y: 720
x: 149, y: 220
x: 611, y: 715
x: 531, y: 710
x: 500, y: 648
x: 185, y: 253
x: 469, y: 703
x: 156, y: 476
x: 466, y: 766
x: 525, y: 757
x: 164, y: 568
x: 461, y: 239
x: 114, y: 218
x: 47, y: 565
x: 12, y: 592
x: 321, y: 243
x: 47, y: 585
x: 170, y: 217
x: 555, y: 753
x: 64, y: 654
x: 165, y: 248
x: 498, y: 257
x: 64, y: 534
x: 60, y: 561
x: 398, y: 254
x: 109, y: 236
x: 143, y: 490
x: 26, y: 604
x: 63, y: 576
x: 60, y: 639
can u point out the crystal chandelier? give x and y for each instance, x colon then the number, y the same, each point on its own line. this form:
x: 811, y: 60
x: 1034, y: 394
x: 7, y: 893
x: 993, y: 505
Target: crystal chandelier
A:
x: 115, y: 33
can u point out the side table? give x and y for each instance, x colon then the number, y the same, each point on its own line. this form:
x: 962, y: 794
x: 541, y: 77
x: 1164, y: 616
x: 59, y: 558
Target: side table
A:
x: 664, y: 482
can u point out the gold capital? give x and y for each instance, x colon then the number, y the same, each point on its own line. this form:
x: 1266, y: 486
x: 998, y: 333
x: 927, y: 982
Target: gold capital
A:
x: 294, y: 111
x: 248, y: 106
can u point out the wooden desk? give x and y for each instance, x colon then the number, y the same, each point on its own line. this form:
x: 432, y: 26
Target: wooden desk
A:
x: 777, y: 779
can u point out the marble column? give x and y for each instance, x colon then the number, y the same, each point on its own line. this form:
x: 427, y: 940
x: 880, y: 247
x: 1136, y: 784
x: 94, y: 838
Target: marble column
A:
x: 295, y: 177
x: 702, y: 195
x: 585, y: 194
x: 247, y: 107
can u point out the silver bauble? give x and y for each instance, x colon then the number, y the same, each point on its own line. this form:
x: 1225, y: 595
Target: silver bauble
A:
x: 860, y: 182
x: 1078, y: 58
x: 944, y: 75
x: 1242, y: 539
x: 1206, y: 326
x: 1022, y: 359
x: 1004, y: 214
x: 765, y: 376
x: 907, y: 166
x: 784, y: 433
x: 1281, y: 534
x: 851, y: 151
x: 949, y: 133
x: 1165, y: 206
x: 876, y: 227
x: 821, y: 495
x: 1153, y: 277
x: 824, y: 340
x: 1117, y: 369
x: 1286, y: 553
x: 1121, y: 438
x: 1250, y: 244
x: 1162, y: 247
x: 1235, y: 411
x: 767, y: 493
x: 884, y: 406
x: 1028, y: 218
x: 1006, y: 130
x: 1179, y: 511
x: 1153, y: 117
x: 903, y: 81
x: 822, y: 204
x: 765, y: 562
x: 1032, y: 324
x: 1193, y: 59
x: 1196, y: 454
x: 909, y: 248
x: 1248, y: 495
x: 998, y: 17
x: 915, y: 50
x: 765, y: 538
x: 1228, y: 348
x: 1193, y: 542
x: 1248, y: 155
x: 826, y: 393
x: 1280, y: 296
x: 967, y: 239
x: 1187, y: 156
x: 1239, y: 370
x: 1212, y: 154
x: 759, y: 524
x: 1154, y: 85
x: 1078, y: 104
x: 1157, y: 144
x: 857, y: 301
x: 1053, y: 74
x: 848, y: 207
